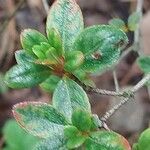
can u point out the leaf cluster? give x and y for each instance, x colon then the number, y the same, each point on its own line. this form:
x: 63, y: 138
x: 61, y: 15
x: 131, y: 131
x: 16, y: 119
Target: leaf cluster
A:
x: 67, y: 49
x: 67, y: 52
x: 68, y: 123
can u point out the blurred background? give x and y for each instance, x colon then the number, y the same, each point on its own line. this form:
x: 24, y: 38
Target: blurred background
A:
x: 16, y: 15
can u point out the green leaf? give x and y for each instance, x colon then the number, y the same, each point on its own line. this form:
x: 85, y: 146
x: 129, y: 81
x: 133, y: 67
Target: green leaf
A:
x: 70, y: 131
x: 98, y: 66
x: 118, y: 23
x: 55, y: 41
x: 38, y: 52
x: 52, y: 143
x: 15, y: 137
x: 144, y: 63
x: 144, y: 140
x: 29, y: 38
x: 101, y: 45
x: 73, y: 60
x: 82, y: 120
x: 100, y: 38
x: 52, y: 55
x: 133, y: 21
x: 22, y: 57
x: 39, y: 119
x: 65, y: 16
x: 74, y: 137
x: 26, y: 75
x: 69, y: 96
x: 50, y: 84
x: 106, y: 140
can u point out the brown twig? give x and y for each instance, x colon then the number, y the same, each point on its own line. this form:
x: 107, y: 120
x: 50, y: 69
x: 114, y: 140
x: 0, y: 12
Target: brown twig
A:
x: 116, y: 83
x: 128, y: 97
x: 104, y: 92
x: 45, y: 5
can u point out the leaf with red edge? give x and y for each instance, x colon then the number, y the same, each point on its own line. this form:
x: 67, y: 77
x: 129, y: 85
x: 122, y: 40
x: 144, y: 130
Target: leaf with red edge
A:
x: 106, y: 140
x: 39, y: 119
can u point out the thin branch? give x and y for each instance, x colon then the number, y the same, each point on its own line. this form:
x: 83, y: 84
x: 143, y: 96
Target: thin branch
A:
x: 130, y: 96
x: 137, y: 32
x: 104, y: 92
x: 126, y: 52
x: 99, y: 91
x: 116, y: 81
x: 141, y: 83
x: 6, y: 22
x: 45, y: 5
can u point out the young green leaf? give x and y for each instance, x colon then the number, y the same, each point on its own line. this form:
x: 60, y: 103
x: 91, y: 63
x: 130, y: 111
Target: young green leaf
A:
x: 69, y: 96
x: 144, y: 140
x: 82, y: 120
x: 39, y: 119
x: 29, y: 38
x: 106, y: 140
x: 52, y: 55
x: 66, y: 17
x: 50, y: 84
x: 73, y: 137
x: 73, y: 60
x: 15, y: 137
x: 133, y: 21
x: 118, y: 23
x: 26, y: 75
x: 39, y: 52
x: 144, y: 63
x: 22, y: 57
x: 55, y: 41
x: 52, y: 143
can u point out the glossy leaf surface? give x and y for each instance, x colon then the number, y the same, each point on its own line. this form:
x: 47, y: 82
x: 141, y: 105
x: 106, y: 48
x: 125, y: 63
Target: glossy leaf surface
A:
x: 100, y: 38
x: 69, y: 96
x: 39, y: 119
x: 66, y: 17
x: 26, y: 75
x: 54, y: 143
x: 101, y: 45
x: 22, y: 57
x: 106, y: 140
